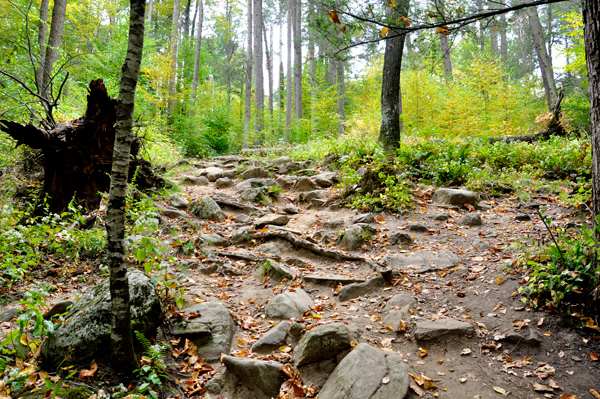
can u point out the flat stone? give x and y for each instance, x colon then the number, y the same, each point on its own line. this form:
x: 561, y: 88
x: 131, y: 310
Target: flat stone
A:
x: 333, y: 224
x: 255, y: 183
x: 331, y: 281
x: 471, y: 219
x: 212, y: 173
x: 401, y: 238
x: 400, y: 301
x: 176, y: 201
x: 281, y: 160
x: 359, y: 289
x: 304, y: 184
x: 213, y: 239
x: 241, y: 235
x: 361, y: 373
x: 208, y: 209
x: 273, y: 339
x: 199, y: 181
x: 60, y: 308
x: 212, y: 331
x: 455, y: 197
x: 364, y: 218
x: 291, y: 209
x: 296, y: 262
x: 417, y: 227
x: 264, y: 378
x: 419, y: 259
x: 254, y: 173
x: 285, y: 182
x: 277, y: 271
x: 353, y: 238
x: 324, y: 342
x: 291, y: 167
x: 250, y: 195
x: 523, y: 218
x: 442, y: 217
x: 272, y: 219
x: 9, y: 314
x: 323, y: 182
x: 313, y: 195
x: 242, y: 218
x: 229, y: 173
x: 527, y: 336
x: 289, y: 304
x: 428, y: 330
x: 224, y: 182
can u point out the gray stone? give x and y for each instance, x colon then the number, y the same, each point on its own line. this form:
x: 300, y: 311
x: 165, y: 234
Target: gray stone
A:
x: 212, y: 331
x: 229, y: 173
x: 285, y: 182
x: 264, y: 378
x: 208, y: 209
x: 428, y: 330
x: 254, y: 173
x: 199, y: 181
x: 331, y: 281
x: 178, y: 202
x: 442, y: 217
x: 322, y: 181
x: 85, y: 334
x: 364, y: 218
x: 255, y: 183
x: 306, y: 172
x: 417, y: 227
x: 241, y: 235
x: 213, y: 239
x: 400, y: 301
x: 288, y: 167
x: 272, y: 219
x: 324, y: 342
x: 295, y: 262
x: 269, y: 248
x: 173, y: 213
x: 59, y: 308
x: 401, y: 239
x: 527, y: 336
x: 291, y: 209
x: 242, y: 218
x: 216, y: 384
x: 455, y: 197
x: 277, y: 271
x: 361, y: 171
x: 313, y: 195
x: 273, y: 339
x: 289, y: 304
x: 359, y: 289
x: 280, y: 161
x: 353, y: 238
x: 471, y: 219
x: 421, y: 259
x: 523, y: 218
x: 9, y: 314
x: 333, y: 224
x: 361, y: 374
x: 304, y: 184
x: 224, y: 182
x: 251, y: 194
x: 212, y: 173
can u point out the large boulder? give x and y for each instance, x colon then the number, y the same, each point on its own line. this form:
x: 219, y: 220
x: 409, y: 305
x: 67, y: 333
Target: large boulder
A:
x: 353, y: 238
x: 251, y: 194
x: 455, y: 197
x: 305, y: 184
x: 212, y: 331
x: 323, y: 343
x: 176, y: 201
x: 471, y: 219
x: 277, y: 336
x: 368, y: 373
x: 85, y: 334
x: 264, y: 378
x: 289, y: 304
x: 208, y: 209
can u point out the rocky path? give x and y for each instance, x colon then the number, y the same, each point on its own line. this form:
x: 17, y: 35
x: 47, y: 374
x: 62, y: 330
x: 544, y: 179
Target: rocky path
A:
x: 361, y: 305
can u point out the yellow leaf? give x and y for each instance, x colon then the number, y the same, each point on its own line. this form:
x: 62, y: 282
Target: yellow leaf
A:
x: 384, y: 31
x: 392, y: 3
x: 285, y: 349
x: 333, y: 17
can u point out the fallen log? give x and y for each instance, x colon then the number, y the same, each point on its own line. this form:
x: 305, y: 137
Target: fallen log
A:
x: 77, y: 155
x: 555, y: 128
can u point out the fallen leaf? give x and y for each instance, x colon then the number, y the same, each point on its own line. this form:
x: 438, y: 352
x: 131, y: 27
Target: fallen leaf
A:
x: 501, y: 391
x: 542, y: 388
x: 594, y: 357
x: 594, y: 393
x: 466, y: 351
x: 83, y: 374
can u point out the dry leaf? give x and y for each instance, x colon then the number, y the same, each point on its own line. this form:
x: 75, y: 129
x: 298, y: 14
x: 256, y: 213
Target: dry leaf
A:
x: 501, y: 391
x: 83, y: 374
x: 594, y: 393
x: 542, y: 388
x: 333, y: 17
x: 594, y: 357
x: 466, y: 351
x: 384, y: 31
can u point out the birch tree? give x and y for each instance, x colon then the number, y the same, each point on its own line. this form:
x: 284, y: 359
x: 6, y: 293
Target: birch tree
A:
x: 174, y: 42
x: 198, y: 47
x: 54, y: 43
x: 248, y: 96
x: 543, y: 60
x: 297, y: 27
x: 259, y: 90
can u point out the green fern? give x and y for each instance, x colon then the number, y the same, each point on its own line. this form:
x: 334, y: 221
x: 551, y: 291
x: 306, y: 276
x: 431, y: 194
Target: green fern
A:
x: 143, y: 340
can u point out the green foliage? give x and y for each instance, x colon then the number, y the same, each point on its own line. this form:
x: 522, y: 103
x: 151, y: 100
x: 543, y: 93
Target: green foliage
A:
x: 153, y: 367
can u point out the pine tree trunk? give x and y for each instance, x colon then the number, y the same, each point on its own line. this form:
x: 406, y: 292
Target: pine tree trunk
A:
x: 229, y: 51
x: 288, y: 102
x: 550, y: 37
x: 297, y: 26
x: 503, y: 40
x: 186, y: 19
x: 341, y: 100
x: 42, y: 36
x: 312, y: 66
x: 540, y: 49
x: 446, y: 57
x: 259, y: 88
x: 248, y: 102
x: 174, y: 43
x: 123, y: 356
x: 268, y: 54
x: 54, y: 43
x: 198, y: 48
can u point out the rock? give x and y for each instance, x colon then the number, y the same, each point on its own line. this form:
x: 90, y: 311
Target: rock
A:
x: 241, y: 235
x: 224, y: 182
x: 359, y: 289
x: 365, y: 218
x: 250, y: 195
x: 289, y: 304
x: 471, y: 219
x: 313, y: 195
x: 361, y: 373
x: 254, y: 173
x: 353, y: 238
x: 285, y: 182
x: 273, y: 339
x: 417, y: 227
x: 306, y: 172
x: 178, y: 202
x: 296, y: 262
x: 361, y: 171
x: 442, y: 217
x: 304, y: 184
x: 255, y: 183
x: 291, y: 209
x: 288, y: 167
x: 59, y: 308
x: 208, y: 209
x: 455, y: 197
x: 333, y: 224
x: 200, y: 181
x: 322, y: 181
x: 212, y: 331
x: 264, y: 378
x: 242, y: 219
x: 324, y: 342
x: 85, y: 334
x: 280, y: 161
x: 214, y: 174
x: 277, y: 271
x: 401, y: 239
x: 272, y: 219
x: 527, y: 336
x: 428, y: 330
x: 426, y: 259
x: 331, y: 281
x: 523, y: 218
x: 172, y: 213
x: 229, y: 173
x: 400, y: 301
x: 213, y: 239
x: 216, y: 384
x: 398, y: 310
x: 9, y: 314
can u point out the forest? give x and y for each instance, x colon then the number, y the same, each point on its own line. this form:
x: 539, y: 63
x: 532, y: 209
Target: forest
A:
x: 298, y: 199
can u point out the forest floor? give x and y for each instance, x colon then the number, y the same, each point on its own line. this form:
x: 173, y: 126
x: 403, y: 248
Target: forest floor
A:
x: 453, y: 271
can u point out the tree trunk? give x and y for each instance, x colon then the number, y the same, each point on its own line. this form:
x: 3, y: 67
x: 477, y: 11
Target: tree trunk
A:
x: 174, y: 43
x: 229, y: 52
x: 297, y: 26
x: 54, y: 43
x: 269, y: 55
x: 550, y: 38
x: 446, y: 57
x: 479, y: 4
x: 42, y: 36
x: 591, y: 29
x: 503, y: 40
x: 288, y: 102
x: 521, y: 34
x: 259, y: 88
x: 341, y: 100
x: 123, y: 356
x: 540, y: 49
x: 391, y: 97
x: 150, y: 11
x: 248, y: 104
x: 198, y: 48
x: 186, y: 19
x: 312, y: 66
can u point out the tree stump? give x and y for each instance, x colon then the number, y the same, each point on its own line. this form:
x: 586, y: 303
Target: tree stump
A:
x: 77, y: 155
